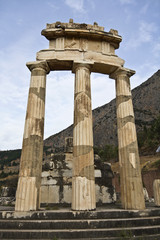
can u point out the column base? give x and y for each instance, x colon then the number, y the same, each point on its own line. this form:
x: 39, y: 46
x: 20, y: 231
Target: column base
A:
x: 133, y: 196
x: 83, y: 197
x: 26, y: 195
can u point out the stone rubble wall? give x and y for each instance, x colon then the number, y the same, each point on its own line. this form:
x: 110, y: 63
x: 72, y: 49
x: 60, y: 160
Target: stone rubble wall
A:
x: 56, y: 185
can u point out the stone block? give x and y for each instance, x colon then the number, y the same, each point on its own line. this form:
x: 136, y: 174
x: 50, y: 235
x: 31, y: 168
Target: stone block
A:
x: 54, y: 173
x: 48, y: 181
x: 97, y: 173
x: 67, y: 180
x: 156, y: 190
x: 103, y: 195
x: 106, y: 196
x: 67, y: 173
x: 50, y: 194
x: 45, y: 174
x: 67, y: 194
x: 53, y: 194
x: 44, y: 194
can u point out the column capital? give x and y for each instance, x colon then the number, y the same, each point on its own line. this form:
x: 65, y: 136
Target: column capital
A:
x: 122, y: 71
x: 38, y: 64
x: 83, y: 64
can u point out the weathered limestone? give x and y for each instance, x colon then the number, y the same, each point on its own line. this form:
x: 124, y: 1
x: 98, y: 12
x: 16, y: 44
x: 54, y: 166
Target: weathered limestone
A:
x: 28, y: 190
x: 130, y: 173
x: 83, y: 180
x: 156, y: 190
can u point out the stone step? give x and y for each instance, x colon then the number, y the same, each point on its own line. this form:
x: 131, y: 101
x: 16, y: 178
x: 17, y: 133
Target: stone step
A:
x: 113, y: 224
x: 120, y: 233
x: 143, y: 237
x: 78, y: 224
x: 68, y: 214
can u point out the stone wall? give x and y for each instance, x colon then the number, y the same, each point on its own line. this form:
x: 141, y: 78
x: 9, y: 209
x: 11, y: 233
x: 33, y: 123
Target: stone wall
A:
x: 7, y: 195
x: 56, y: 185
x: 148, y: 179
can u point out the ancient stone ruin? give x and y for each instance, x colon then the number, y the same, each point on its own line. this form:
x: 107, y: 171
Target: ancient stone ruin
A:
x: 56, y: 185
x: 82, y: 49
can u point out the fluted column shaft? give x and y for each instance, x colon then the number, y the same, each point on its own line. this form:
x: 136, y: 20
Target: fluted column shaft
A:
x: 83, y: 181
x: 28, y: 190
x: 130, y: 172
x: 156, y: 191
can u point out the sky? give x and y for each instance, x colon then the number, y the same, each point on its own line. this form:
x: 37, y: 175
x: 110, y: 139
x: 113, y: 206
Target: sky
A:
x: 21, y: 22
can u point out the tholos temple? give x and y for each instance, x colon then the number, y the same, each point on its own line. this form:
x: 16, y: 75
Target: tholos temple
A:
x: 82, y: 49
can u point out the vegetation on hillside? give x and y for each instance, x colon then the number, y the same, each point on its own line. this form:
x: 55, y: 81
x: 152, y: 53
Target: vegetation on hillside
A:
x: 107, y: 152
x: 149, y: 138
x: 148, y: 141
x: 6, y: 157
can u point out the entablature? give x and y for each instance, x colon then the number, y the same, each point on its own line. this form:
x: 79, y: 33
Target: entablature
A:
x: 77, y: 31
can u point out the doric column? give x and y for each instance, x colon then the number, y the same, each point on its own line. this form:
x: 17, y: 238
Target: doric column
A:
x: 29, y: 182
x: 156, y: 191
x: 132, y: 196
x: 83, y: 181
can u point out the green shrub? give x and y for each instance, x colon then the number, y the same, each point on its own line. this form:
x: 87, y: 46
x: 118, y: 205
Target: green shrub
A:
x: 107, y: 152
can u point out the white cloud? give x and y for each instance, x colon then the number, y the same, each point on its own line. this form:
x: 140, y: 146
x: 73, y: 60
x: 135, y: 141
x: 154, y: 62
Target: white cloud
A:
x: 14, y: 81
x: 77, y: 5
x: 144, y: 8
x: 144, y: 35
x: 146, y: 31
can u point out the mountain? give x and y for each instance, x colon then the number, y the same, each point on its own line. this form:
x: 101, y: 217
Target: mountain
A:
x: 146, y: 102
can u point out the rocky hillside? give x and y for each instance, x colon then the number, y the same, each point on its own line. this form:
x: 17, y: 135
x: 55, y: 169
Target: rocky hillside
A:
x: 146, y: 101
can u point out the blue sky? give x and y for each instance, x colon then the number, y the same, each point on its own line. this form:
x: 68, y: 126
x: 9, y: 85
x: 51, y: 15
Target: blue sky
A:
x: 21, y: 22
